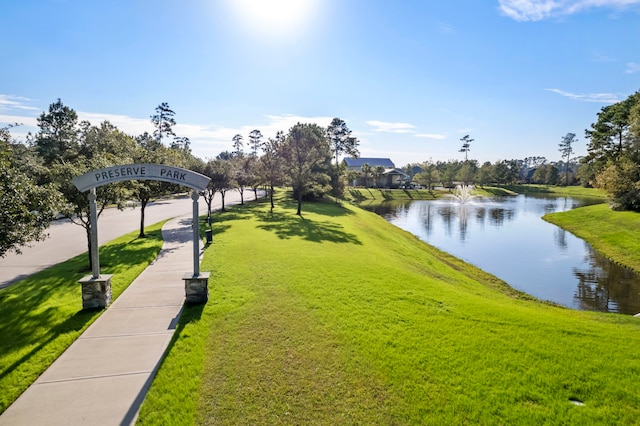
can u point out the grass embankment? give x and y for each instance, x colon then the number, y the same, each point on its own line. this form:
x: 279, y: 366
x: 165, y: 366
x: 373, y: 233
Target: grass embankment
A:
x: 612, y: 233
x: 574, y: 191
x: 340, y: 318
x: 358, y: 195
x: 376, y: 196
x: 42, y: 315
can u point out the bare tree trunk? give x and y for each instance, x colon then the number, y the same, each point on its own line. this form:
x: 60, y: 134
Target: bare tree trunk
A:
x: 271, y: 196
x: 143, y: 206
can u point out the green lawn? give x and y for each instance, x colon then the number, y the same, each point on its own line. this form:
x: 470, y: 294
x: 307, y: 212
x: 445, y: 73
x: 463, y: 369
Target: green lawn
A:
x: 376, y: 194
x: 42, y: 315
x: 340, y: 318
x: 576, y: 191
x: 612, y: 233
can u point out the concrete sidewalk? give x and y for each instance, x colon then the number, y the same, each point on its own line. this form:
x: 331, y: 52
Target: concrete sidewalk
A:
x: 103, y: 377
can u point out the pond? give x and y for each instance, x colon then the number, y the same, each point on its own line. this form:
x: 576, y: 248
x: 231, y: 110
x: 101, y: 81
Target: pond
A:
x: 507, y: 237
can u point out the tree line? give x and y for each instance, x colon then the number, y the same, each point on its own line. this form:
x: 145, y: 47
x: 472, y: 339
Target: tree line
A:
x: 613, y: 153
x: 36, y: 181
x: 448, y: 174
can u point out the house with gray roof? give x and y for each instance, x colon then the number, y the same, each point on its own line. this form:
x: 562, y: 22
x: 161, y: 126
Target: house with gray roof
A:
x: 392, y: 177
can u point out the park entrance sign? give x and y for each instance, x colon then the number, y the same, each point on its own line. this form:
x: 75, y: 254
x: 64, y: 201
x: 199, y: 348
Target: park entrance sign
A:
x: 96, y: 288
x: 159, y: 172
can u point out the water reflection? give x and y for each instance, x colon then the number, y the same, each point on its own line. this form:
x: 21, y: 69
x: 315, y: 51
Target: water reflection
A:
x: 508, y: 238
x: 604, y: 286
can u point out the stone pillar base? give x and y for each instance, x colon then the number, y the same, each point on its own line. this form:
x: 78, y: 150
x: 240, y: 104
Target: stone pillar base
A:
x: 196, y: 287
x: 96, y: 292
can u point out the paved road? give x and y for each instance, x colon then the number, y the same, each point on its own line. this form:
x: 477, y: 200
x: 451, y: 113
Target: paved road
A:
x: 67, y: 240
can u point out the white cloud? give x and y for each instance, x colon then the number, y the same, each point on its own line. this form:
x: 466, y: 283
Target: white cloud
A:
x: 207, y: 140
x: 435, y: 136
x: 284, y: 122
x: 446, y: 28
x: 10, y: 102
x: 129, y: 125
x: 383, y: 126
x: 601, y: 57
x: 535, y: 10
x: 607, y: 98
x: 21, y: 119
x: 632, y: 68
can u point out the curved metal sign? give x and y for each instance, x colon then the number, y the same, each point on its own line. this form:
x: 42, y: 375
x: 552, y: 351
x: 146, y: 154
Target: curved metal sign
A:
x: 159, y: 172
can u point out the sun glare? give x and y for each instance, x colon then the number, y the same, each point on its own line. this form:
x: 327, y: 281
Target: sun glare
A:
x: 274, y: 17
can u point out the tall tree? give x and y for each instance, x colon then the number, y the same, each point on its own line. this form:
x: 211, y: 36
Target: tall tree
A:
x: 378, y: 171
x: 210, y: 191
x: 566, y: 149
x: 484, y: 174
x: 448, y: 172
x: 57, y: 139
x: 101, y: 147
x: 341, y: 140
x: 467, y: 171
x: 181, y: 143
x: 306, y: 151
x: 610, y: 134
x: 242, y: 179
x: 27, y: 208
x: 221, y: 174
x: 270, y: 166
x: 255, y: 141
x: 342, y: 143
x: 466, y: 146
x: 163, y: 121
x: 150, y: 150
x: 237, y: 146
x: 546, y: 174
x: 428, y: 175
x: 254, y: 179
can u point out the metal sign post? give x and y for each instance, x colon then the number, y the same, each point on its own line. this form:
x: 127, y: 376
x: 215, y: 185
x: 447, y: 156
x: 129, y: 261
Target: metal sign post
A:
x: 93, y: 223
x: 196, y: 235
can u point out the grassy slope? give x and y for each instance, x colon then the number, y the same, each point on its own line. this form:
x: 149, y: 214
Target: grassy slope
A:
x: 612, y: 233
x: 339, y: 317
x: 576, y: 191
x: 376, y: 194
x: 42, y: 315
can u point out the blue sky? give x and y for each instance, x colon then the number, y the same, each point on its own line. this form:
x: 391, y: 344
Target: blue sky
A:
x: 410, y: 78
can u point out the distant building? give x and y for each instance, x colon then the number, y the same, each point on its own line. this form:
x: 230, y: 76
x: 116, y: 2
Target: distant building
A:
x: 391, y: 178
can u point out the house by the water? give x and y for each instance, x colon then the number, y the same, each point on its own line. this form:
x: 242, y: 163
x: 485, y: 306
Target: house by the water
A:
x: 392, y: 177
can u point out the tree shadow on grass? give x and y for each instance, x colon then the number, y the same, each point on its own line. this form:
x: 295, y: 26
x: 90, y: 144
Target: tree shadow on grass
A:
x: 38, y: 302
x: 74, y: 323
x: 116, y: 258
x: 42, y: 308
x: 220, y: 221
x: 286, y: 226
x: 357, y: 195
x: 387, y: 195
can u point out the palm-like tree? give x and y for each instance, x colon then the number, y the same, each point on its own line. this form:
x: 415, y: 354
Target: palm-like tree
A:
x: 366, y: 170
x: 378, y: 171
